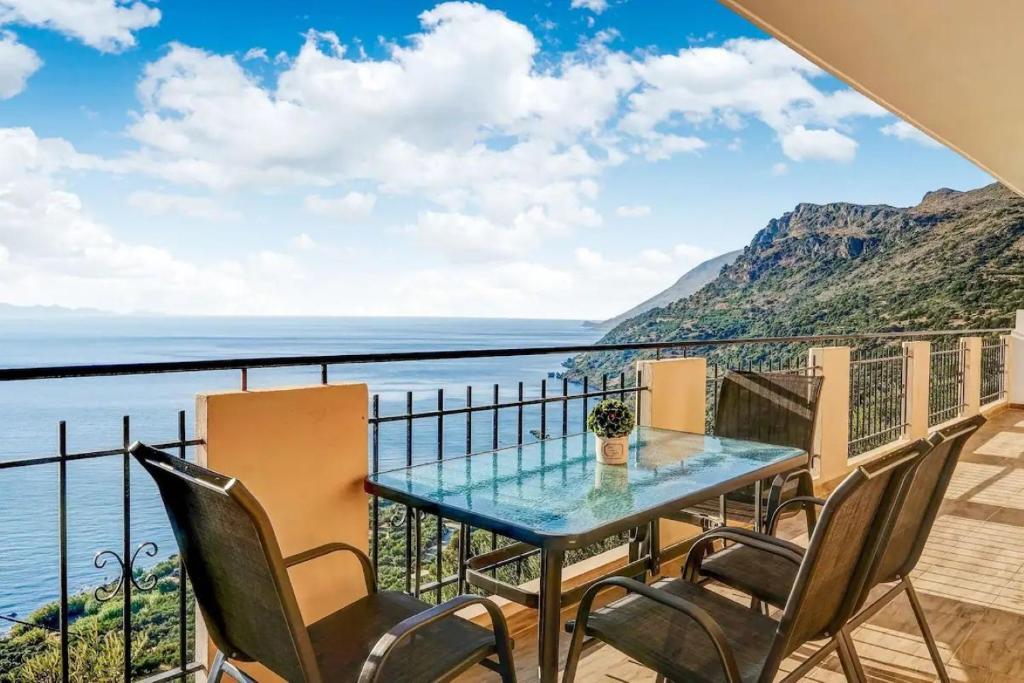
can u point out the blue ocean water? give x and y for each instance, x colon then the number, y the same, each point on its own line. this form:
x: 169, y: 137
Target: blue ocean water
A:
x: 93, y: 409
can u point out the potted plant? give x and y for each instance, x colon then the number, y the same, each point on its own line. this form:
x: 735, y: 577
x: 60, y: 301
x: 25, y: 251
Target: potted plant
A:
x: 611, y: 421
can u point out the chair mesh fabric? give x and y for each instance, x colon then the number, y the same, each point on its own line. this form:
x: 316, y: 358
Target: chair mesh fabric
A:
x: 757, y: 573
x: 771, y: 407
x: 228, y: 566
x: 925, y: 490
x: 838, y: 555
x: 343, y: 641
x: 672, y: 643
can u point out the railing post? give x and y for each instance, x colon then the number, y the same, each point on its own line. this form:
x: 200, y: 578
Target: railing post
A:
x: 302, y: 452
x: 676, y: 393
x: 972, y: 375
x: 1015, y: 363
x: 675, y: 398
x: 832, y: 432
x: 918, y: 376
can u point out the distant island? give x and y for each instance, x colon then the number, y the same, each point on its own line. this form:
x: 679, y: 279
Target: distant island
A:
x: 16, y: 312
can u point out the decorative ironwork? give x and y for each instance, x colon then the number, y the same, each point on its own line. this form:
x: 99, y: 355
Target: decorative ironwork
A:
x: 106, y: 593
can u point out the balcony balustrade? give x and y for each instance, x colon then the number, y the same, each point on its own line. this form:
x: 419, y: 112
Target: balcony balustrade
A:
x: 888, y: 387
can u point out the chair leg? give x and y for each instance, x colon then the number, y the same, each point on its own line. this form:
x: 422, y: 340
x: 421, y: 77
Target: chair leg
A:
x: 929, y: 639
x: 216, y: 669
x: 848, y: 658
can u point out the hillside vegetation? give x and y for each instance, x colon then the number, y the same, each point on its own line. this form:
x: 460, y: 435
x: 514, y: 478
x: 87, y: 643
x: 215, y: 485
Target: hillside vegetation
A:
x: 956, y: 260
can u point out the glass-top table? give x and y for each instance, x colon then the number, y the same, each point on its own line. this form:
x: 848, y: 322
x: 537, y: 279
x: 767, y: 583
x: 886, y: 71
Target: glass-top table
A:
x: 554, y: 495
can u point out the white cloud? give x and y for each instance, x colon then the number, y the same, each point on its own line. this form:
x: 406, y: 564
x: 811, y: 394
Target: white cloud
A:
x: 302, y: 242
x: 902, y: 130
x: 189, y: 206
x: 595, y: 6
x: 17, y: 63
x: 730, y: 84
x: 463, y: 116
x: 780, y: 168
x: 107, y: 25
x: 637, y: 211
x: 805, y: 144
x: 56, y: 253
x: 256, y: 54
x: 350, y: 207
x: 660, y: 146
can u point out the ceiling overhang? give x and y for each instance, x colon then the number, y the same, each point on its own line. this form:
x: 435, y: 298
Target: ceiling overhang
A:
x: 953, y: 68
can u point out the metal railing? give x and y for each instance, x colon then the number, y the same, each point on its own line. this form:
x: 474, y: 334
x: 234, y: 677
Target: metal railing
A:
x: 878, y: 399
x: 946, y: 399
x: 993, y: 371
x: 429, y: 430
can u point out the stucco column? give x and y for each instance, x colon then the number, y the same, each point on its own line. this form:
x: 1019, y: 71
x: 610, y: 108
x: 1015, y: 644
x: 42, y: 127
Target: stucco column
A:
x: 832, y: 432
x: 972, y: 375
x: 918, y: 379
x: 675, y: 398
x: 302, y: 453
x: 1015, y: 362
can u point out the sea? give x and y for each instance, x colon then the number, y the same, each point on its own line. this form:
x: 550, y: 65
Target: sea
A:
x: 93, y: 409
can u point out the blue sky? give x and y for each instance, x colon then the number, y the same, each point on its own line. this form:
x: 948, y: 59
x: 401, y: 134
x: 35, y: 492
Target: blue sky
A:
x: 557, y: 158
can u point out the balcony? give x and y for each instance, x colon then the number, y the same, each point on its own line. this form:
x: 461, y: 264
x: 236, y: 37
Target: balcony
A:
x: 880, y: 391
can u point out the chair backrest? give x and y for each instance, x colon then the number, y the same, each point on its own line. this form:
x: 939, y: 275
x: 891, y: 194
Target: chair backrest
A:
x: 772, y: 407
x: 235, y: 565
x: 926, y: 488
x: 853, y: 524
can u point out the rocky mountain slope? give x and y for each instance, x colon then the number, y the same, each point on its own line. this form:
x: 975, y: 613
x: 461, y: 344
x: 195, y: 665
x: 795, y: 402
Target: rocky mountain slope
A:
x: 689, y: 283
x: 956, y: 260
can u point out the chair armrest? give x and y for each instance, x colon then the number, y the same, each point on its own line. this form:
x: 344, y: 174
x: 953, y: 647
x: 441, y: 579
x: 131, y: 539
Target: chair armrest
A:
x: 802, y: 501
x: 753, y: 539
x: 337, y: 547
x: 374, y: 664
x: 704, y: 620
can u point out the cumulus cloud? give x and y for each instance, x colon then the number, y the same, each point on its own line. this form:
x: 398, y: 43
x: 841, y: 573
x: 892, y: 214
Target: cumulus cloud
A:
x: 107, y: 25
x: 638, y: 211
x: 256, y: 54
x: 350, y: 207
x: 17, y: 63
x: 189, y: 206
x: 728, y: 85
x: 806, y: 144
x: 55, y: 252
x: 902, y: 130
x: 595, y: 6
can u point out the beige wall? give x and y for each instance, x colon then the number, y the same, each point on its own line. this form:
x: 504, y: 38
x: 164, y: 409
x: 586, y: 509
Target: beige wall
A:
x: 302, y: 453
x: 675, y: 398
x: 951, y: 67
x: 918, y: 378
x: 832, y: 432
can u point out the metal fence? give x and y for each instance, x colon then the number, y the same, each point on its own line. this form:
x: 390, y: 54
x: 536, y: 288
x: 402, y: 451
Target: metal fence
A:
x: 946, y: 399
x: 878, y: 399
x: 993, y: 371
x: 429, y: 431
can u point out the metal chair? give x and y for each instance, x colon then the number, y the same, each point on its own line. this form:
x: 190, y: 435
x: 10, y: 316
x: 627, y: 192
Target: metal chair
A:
x: 779, y: 408
x: 769, y: 577
x: 246, y: 598
x: 688, y: 633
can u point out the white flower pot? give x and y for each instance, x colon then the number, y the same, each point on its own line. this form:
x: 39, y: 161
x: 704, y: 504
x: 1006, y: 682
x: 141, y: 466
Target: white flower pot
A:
x: 612, y: 451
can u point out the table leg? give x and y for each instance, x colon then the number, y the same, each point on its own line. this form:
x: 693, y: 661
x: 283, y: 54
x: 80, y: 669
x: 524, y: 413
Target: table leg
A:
x: 758, y: 507
x: 549, y: 614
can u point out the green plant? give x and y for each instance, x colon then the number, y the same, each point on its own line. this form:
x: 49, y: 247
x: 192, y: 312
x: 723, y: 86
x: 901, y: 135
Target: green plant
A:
x: 611, y: 418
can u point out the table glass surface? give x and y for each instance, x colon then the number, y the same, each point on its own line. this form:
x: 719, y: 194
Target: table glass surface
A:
x: 557, y: 488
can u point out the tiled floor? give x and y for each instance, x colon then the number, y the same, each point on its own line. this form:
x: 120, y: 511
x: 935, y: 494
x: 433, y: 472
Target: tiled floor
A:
x: 970, y: 581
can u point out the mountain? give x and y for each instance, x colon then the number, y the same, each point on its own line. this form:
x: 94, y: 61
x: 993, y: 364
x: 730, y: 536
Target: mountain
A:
x: 683, y: 287
x: 955, y: 260
x: 14, y: 311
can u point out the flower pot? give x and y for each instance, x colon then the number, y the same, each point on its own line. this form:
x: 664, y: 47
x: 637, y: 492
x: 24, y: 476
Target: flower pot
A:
x: 613, y: 450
